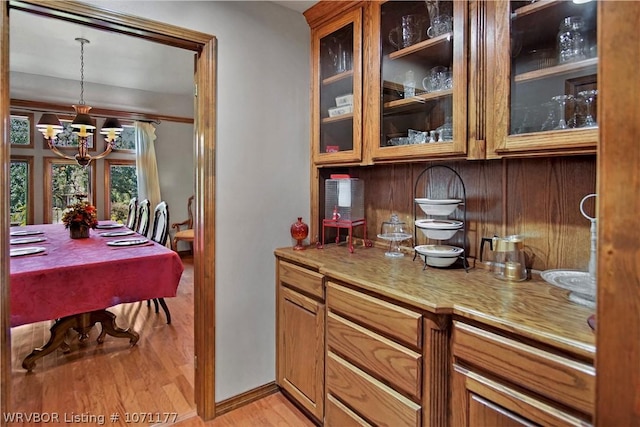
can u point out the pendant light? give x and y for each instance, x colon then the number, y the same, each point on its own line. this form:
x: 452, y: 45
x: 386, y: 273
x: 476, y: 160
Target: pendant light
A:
x: 82, y: 125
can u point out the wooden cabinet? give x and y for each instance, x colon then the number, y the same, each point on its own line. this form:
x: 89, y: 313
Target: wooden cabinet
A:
x: 542, y: 79
x: 417, y: 73
x: 505, y: 86
x: 504, y: 382
x: 336, y: 47
x: 300, y: 336
x: 374, y: 364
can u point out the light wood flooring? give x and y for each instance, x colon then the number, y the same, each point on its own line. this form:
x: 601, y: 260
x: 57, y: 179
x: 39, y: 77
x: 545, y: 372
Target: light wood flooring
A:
x: 154, y: 376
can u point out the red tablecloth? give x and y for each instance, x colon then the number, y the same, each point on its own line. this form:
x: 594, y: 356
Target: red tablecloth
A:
x: 82, y: 275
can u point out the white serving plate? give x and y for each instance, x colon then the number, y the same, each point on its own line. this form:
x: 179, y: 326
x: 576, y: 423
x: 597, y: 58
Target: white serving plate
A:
x: 26, y: 233
x: 439, y: 229
x: 108, y: 226
x: 117, y: 233
x: 439, y: 255
x: 439, y: 224
x: 441, y: 207
x: 24, y: 240
x: 128, y: 242
x: 428, y: 201
x: 30, y: 250
x: 581, y: 284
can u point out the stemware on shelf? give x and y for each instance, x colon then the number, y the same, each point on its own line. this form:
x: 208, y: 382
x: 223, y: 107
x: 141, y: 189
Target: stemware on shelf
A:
x: 562, y: 100
x: 589, y: 97
x: 550, y: 121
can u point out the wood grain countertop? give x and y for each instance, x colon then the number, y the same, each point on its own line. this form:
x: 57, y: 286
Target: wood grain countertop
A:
x: 532, y: 309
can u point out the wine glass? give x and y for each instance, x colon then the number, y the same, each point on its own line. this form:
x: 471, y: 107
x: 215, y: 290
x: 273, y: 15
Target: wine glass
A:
x: 550, y: 121
x: 589, y: 98
x: 562, y: 100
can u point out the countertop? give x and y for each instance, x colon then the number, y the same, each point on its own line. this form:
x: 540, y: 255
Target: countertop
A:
x: 532, y: 309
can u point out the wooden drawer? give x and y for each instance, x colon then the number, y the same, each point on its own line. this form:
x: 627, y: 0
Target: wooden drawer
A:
x: 378, y: 402
x: 561, y: 379
x: 338, y: 415
x: 300, y: 278
x: 480, y: 400
x: 393, y: 320
x: 396, y: 364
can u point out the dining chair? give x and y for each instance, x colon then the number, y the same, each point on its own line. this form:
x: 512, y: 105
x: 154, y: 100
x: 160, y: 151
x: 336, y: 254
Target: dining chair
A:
x: 160, y: 234
x: 144, y: 213
x: 132, y: 216
x: 184, y: 234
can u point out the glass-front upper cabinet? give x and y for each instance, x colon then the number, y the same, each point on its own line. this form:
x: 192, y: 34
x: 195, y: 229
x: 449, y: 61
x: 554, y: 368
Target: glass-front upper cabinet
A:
x: 337, y: 85
x: 545, y: 78
x: 422, y: 108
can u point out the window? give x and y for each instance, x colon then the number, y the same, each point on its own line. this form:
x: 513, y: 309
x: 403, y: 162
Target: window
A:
x: 65, y: 183
x: 126, y: 141
x: 120, y: 186
x: 22, y: 129
x: 21, y: 190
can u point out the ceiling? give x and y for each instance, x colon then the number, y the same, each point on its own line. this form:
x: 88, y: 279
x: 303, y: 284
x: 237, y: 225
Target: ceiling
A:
x: 39, y: 45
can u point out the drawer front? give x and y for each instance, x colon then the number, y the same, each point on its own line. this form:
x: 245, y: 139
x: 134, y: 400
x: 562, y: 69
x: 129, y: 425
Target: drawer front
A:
x: 338, y: 415
x: 566, y: 381
x: 398, y: 322
x: 491, y: 402
x: 381, y: 405
x: 300, y: 278
x: 396, y: 364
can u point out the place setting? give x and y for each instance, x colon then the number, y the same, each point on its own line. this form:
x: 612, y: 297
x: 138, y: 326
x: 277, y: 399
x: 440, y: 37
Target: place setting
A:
x: 127, y: 243
x: 119, y: 233
x: 28, y: 250
x: 17, y: 233
x: 108, y: 226
x: 26, y: 240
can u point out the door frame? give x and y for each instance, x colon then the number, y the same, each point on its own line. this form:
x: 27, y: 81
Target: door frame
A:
x: 205, y: 47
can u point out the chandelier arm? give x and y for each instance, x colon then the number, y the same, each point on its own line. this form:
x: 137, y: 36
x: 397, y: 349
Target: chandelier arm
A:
x: 105, y: 153
x: 56, y: 151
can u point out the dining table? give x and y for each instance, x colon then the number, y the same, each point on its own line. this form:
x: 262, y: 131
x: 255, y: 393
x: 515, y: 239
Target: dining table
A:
x: 74, y: 281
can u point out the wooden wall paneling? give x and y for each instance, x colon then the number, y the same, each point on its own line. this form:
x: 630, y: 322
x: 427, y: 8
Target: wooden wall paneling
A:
x: 618, y: 312
x: 543, y: 205
x: 387, y: 190
x: 538, y: 198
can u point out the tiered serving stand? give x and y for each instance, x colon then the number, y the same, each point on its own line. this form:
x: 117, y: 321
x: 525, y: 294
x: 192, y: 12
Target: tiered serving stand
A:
x: 424, y: 188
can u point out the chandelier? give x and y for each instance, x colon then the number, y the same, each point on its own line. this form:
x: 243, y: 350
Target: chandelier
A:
x: 82, y: 125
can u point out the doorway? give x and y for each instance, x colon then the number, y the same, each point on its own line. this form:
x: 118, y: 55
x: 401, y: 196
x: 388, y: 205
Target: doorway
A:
x: 205, y: 47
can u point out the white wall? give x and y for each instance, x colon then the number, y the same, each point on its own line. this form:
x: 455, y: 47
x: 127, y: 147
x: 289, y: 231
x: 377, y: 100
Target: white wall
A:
x: 262, y: 166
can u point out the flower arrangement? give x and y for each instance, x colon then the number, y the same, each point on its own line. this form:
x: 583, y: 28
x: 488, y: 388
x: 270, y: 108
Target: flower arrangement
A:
x: 81, y: 213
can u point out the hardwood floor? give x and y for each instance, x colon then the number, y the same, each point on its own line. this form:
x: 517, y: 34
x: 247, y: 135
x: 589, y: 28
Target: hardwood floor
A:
x: 273, y: 410
x: 153, y: 377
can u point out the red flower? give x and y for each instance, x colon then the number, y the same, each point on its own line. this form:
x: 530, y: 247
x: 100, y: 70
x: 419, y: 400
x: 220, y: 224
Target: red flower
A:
x: 81, y: 213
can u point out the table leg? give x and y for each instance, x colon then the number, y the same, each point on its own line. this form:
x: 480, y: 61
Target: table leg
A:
x: 81, y: 323
x: 108, y: 322
x: 58, y: 333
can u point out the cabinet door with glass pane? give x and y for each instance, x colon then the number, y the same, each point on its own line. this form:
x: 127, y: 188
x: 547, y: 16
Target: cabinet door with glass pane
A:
x: 421, y: 111
x: 543, y: 80
x: 337, y: 86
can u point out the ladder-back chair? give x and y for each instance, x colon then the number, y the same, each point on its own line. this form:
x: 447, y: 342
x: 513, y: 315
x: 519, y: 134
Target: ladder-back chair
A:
x: 144, y: 214
x: 184, y: 229
x: 159, y: 234
x: 132, y: 216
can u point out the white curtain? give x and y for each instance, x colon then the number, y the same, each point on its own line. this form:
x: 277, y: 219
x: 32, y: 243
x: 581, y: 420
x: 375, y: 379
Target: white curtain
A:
x: 146, y: 165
